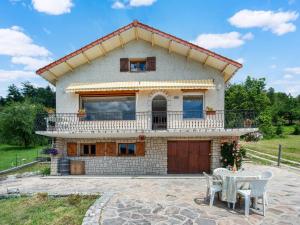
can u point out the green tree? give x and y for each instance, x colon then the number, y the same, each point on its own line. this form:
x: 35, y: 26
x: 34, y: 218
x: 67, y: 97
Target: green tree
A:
x: 250, y: 95
x: 14, y: 94
x: 17, y: 123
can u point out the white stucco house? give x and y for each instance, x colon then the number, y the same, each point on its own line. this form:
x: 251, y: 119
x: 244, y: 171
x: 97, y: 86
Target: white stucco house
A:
x: 141, y: 101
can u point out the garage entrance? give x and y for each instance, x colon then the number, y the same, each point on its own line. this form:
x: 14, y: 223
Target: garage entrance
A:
x: 188, y: 156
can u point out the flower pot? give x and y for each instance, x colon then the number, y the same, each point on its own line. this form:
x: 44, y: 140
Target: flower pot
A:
x: 211, y: 113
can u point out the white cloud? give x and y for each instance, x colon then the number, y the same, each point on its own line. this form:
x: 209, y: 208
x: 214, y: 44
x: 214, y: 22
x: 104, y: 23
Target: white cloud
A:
x: 53, y: 7
x: 13, y: 42
x: 118, y: 5
x: 30, y: 63
x: 278, y: 22
x: 8, y: 75
x: 288, y: 76
x: 122, y: 4
x: 293, y: 70
x: 240, y: 60
x: 225, y: 40
x: 291, y: 86
x: 137, y: 3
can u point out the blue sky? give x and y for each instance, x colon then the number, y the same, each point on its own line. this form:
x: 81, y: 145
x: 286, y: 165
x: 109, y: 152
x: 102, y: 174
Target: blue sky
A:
x: 262, y: 34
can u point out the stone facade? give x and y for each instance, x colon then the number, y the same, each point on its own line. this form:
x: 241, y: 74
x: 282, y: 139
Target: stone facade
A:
x: 155, y: 161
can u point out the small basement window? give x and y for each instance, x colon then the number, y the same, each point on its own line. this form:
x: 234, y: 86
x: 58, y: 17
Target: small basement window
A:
x: 127, y: 149
x: 88, y: 149
x: 138, y: 65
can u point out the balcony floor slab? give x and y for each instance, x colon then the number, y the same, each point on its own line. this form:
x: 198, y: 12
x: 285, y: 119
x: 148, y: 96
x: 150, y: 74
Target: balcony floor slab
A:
x: 152, y: 133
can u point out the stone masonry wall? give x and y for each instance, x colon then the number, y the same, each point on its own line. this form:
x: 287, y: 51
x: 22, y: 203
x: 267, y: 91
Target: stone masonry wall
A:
x: 153, y: 163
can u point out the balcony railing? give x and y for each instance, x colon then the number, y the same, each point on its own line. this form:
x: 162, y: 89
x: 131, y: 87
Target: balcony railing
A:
x: 145, y: 121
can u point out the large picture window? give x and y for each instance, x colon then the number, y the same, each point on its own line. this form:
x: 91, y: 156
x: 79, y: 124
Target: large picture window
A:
x: 109, y: 108
x: 193, y: 106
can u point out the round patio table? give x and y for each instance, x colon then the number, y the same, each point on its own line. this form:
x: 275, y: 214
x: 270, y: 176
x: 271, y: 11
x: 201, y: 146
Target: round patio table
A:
x: 236, y: 181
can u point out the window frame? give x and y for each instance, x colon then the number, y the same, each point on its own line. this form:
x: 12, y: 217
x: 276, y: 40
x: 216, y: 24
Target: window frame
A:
x: 90, y: 149
x: 203, y: 105
x: 126, y: 144
x: 138, y: 60
x: 82, y: 97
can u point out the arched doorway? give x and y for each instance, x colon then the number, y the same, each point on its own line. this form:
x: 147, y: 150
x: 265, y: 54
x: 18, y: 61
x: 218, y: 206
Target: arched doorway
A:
x: 159, y: 113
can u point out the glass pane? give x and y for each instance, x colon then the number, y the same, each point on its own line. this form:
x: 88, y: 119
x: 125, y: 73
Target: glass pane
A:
x: 193, y: 106
x: 109, y: 108
x: 122, y: 149
x: 131, y: 149
x: 85, y: 149
x: 138, y: 66
x: 93, y: 149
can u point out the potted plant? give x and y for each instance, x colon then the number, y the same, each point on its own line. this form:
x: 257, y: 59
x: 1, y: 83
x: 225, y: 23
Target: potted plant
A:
x: 50, y: 110
x: 210, y: 111
x: 248, y: 123
x: 81, y: 113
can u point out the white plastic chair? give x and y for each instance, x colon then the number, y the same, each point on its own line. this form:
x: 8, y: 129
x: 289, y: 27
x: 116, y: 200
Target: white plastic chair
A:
x: 267, y: 175
x: 257, y: 190
x: 212, y: 188
x: 221, y: 172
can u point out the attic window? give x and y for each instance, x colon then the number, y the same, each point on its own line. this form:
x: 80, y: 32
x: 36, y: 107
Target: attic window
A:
x: 138, y: 65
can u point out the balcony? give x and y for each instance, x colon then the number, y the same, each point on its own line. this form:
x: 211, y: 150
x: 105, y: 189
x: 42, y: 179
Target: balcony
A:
x: 151, y: 123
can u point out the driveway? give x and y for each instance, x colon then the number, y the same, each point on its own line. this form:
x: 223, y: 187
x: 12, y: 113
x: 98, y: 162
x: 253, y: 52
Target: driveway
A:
x: 171, y: 200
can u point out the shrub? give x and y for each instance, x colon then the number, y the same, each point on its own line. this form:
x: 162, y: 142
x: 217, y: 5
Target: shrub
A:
x: 279, y: 130
x: 230, y: 155
x: 297, y: 130
x: 256, y: 136
x: 46, y: 171
x: 74, y: 199
x: 265, y: 124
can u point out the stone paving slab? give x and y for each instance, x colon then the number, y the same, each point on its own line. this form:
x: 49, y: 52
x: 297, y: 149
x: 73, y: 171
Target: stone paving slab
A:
x: 172, y: 201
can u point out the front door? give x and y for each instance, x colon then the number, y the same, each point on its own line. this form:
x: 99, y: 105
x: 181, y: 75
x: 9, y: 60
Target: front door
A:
x: 188, y: 156
x: 159, y: 113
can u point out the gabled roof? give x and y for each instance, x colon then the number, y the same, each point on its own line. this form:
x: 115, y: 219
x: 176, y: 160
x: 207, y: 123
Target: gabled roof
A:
x: 134, y: 31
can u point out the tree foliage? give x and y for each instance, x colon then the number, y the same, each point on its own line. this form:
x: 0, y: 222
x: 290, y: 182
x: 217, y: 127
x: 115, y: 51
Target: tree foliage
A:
x: 272, y: 108
x: 18, y: 113
x: 17, y: 123
x: 27, y: 92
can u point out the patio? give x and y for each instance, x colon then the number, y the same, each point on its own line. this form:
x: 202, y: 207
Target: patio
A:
x: 172, y: 199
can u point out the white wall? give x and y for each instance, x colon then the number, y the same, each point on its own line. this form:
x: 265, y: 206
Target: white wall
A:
x: 168, y: 67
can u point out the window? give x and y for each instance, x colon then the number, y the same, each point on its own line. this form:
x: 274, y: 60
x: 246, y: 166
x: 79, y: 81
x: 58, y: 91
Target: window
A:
x: 193, y: 106
x: 138, y: 65
x: 109, y: 108
x: 127, y: 149
x: 88, y: 149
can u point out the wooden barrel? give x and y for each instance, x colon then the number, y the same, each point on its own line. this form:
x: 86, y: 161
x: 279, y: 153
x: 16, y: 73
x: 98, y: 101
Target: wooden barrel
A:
x: 77, y: 167
x: 64, y: 166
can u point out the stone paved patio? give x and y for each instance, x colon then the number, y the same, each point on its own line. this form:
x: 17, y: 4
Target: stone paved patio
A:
x: 172, y: 200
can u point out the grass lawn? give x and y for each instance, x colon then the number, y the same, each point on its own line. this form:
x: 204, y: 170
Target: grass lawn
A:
x: 290, y: 146
x: 24, y: 155
x: 33, y: 168
x: 41, y: 209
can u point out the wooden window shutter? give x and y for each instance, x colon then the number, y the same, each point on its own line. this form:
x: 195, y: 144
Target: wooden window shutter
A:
x: 111, y: 149
x: 140, y: 148
x: 100, y: 149
x: 151, y: 63
x: 124, y: 64
x: 72, y: 149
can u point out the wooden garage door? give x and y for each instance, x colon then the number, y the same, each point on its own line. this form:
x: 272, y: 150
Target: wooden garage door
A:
x: 188, y: 156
